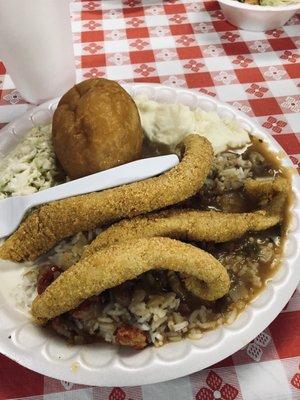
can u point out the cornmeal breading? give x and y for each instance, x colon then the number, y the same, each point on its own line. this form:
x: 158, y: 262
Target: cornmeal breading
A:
x: 187, y: 225
x: 53, y: 222
x: 266, y: 188
x: 116, y: 264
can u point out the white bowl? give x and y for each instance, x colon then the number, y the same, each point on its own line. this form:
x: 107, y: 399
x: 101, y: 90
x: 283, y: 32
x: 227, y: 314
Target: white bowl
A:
x: 257, y: 18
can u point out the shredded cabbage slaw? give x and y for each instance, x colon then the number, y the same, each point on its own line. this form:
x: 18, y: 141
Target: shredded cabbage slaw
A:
x: 31, y: 166
x: 273, y: 3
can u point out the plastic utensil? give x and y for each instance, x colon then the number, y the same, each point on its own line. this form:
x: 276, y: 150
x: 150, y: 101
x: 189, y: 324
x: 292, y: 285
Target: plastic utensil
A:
x: 13, y: 209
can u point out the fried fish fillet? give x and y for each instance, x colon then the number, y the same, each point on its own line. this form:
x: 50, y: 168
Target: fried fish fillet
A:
x: 270, y: 193
x: 187, y: 225
x: 266, y: 188
x: 53, y: 222
x: 116, y: 264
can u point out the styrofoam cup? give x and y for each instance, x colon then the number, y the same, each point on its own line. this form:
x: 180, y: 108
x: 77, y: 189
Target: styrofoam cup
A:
x: 37, y: 48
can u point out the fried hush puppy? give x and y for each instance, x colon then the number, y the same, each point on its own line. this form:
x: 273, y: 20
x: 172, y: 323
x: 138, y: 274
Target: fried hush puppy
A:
x: 45, y: 227
x: 186, y: 225
x: 203, y: 274
x: 96, y: 126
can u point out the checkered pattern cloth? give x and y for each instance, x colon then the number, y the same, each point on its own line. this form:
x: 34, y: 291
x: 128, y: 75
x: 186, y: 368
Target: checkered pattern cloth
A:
x: 188, y: 43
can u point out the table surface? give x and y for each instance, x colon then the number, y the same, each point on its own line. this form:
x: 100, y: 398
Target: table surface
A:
x: 188, y: 44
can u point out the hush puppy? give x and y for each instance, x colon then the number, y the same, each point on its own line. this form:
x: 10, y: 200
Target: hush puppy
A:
x: 96, y: 126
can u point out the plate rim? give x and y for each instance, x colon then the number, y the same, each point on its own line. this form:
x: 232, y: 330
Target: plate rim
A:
x: 158, y: 369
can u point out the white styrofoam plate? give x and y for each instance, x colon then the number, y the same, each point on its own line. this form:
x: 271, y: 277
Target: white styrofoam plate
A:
x: 106, y: 365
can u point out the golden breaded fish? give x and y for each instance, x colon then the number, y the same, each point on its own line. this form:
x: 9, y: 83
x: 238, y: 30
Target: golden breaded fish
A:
x: 270, y: 193
x: 187, y: 225
x: 266, y: 188
x: 116, y: 264
x: 53, y: 222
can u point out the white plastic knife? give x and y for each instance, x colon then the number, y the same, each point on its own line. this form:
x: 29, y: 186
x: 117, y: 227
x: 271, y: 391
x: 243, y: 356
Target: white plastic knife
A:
x: 13, y: 209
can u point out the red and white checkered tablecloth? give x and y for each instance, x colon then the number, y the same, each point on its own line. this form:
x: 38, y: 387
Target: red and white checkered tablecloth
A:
x: 188, y: 43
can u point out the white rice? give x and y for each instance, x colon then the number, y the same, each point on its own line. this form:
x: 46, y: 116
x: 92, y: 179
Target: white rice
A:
x: 25, y: 292
x: 156, y: 315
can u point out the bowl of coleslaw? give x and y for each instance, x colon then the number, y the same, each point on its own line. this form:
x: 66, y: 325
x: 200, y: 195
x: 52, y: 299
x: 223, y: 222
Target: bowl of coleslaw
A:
x: 259, y: 15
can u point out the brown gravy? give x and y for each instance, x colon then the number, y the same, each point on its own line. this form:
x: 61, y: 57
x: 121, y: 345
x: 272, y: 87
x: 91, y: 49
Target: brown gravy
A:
x: 237, y: 201
x: 250, y: 260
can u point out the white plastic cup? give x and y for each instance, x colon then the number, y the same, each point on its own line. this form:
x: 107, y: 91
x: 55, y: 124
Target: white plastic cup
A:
x: 36, y: 47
